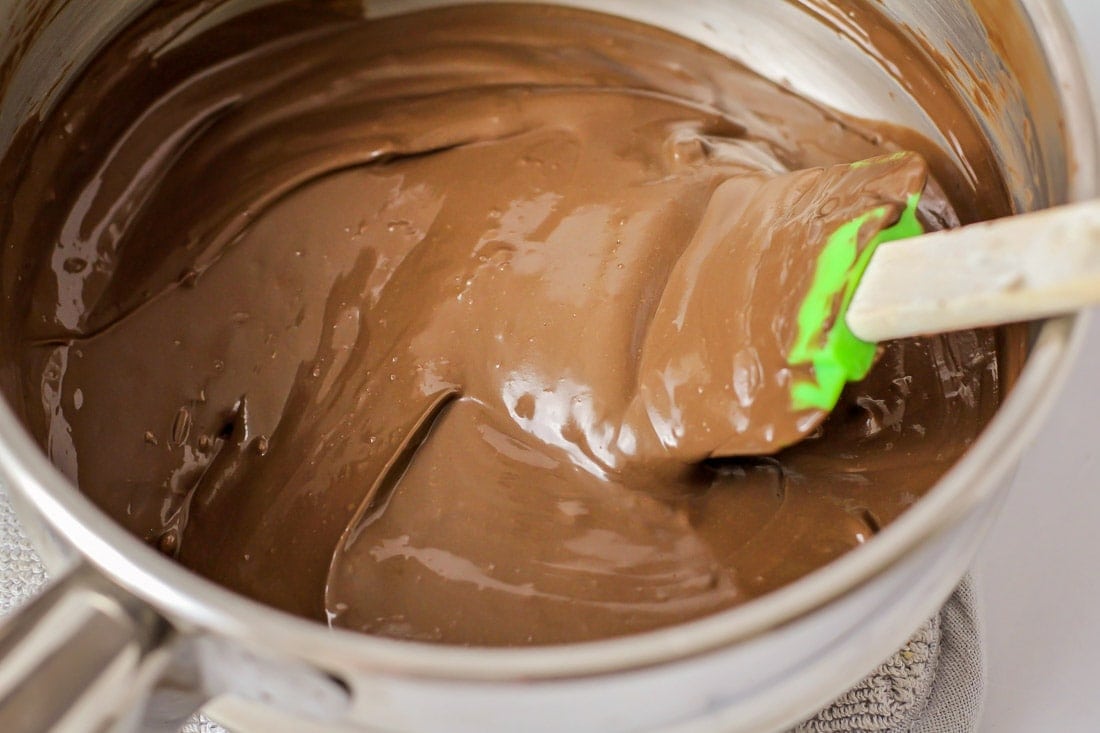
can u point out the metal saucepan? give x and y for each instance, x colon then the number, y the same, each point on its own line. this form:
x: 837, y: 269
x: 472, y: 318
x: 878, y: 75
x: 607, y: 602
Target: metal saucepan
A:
x: 124, y: 637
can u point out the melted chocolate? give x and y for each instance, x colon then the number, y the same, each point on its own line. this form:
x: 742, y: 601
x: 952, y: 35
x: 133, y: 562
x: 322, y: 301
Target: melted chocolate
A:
x: 402, y: 323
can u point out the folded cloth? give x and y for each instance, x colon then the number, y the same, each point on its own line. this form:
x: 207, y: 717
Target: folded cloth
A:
x: 21, y: 572
x: 893, y: 697
x: 934, y: 684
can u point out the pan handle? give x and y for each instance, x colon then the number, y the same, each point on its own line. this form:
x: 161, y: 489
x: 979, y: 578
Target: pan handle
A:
x: 84, y: 656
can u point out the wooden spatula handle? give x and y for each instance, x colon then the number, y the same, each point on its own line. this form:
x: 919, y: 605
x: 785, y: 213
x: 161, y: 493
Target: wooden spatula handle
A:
x: 1015, y: 269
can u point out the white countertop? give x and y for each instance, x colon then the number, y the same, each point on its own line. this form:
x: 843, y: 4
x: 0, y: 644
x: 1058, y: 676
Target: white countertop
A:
x: 1039, y: 573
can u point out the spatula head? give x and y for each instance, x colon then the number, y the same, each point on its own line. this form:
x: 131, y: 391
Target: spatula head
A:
x: 757, y: 300
x: 824, y: 340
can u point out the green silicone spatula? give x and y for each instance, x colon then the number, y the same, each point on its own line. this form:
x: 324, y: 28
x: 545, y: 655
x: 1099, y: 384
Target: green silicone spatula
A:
x: 792, y: 281
x: 1019, y: 268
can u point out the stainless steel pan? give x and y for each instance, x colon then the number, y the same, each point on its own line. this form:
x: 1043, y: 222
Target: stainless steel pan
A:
x: 123, y: 637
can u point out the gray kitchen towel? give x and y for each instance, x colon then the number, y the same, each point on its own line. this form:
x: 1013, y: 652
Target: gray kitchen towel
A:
x: 893, y: 697
x: 934, y: 684
x: 21, y: 572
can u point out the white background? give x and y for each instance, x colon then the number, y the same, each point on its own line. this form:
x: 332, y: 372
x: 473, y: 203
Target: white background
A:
x: 1039, y: 573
